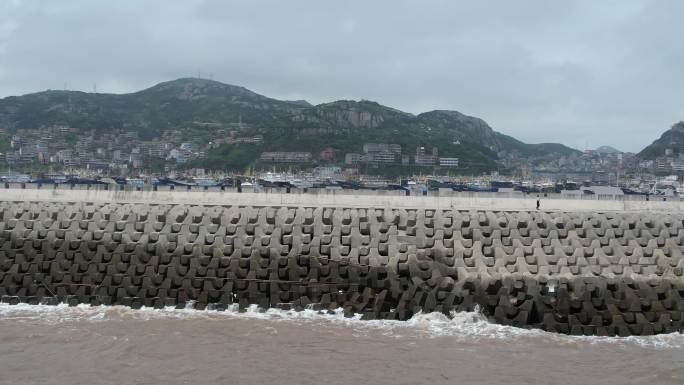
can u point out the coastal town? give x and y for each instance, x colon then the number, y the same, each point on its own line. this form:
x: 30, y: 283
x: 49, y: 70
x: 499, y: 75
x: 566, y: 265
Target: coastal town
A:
x: 58, y: 153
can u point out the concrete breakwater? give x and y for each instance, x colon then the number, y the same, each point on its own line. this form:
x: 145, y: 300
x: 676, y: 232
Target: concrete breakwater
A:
x: 614, y: 273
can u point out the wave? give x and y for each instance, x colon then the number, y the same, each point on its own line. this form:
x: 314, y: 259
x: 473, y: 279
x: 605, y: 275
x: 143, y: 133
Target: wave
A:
x: 466, y: 326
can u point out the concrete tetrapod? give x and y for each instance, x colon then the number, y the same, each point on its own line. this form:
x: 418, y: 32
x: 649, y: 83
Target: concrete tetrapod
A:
x: 576, y: 273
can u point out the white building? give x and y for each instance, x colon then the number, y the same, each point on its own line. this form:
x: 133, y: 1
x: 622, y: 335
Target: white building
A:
x: 425, y: 160
x: 352, y: 158
x: 448, y: 162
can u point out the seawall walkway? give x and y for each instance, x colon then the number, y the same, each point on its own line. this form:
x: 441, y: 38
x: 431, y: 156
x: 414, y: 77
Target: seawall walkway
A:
x: 342, y: 198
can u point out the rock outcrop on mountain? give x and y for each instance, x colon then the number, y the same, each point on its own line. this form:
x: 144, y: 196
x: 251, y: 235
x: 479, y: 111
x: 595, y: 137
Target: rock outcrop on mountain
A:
x: 463, y: 128
x: 349, y: 114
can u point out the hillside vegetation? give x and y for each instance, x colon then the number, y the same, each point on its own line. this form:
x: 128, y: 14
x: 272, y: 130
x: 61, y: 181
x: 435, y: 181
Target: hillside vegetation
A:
x: 671, y: 139
x: 202, y: 110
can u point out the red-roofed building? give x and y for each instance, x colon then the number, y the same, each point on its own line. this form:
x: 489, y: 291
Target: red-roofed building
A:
x: 327, y: 154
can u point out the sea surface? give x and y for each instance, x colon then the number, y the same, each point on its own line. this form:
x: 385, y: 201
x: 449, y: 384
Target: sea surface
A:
x: 117, y: 345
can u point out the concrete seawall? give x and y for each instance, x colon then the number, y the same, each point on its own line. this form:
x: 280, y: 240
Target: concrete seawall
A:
x: 612, y: 271
x: 344, y: 198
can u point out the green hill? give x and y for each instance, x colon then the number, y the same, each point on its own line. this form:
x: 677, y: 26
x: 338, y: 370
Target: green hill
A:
x: 199, y: 108
x: 671, y: 139
x: 540, y: 149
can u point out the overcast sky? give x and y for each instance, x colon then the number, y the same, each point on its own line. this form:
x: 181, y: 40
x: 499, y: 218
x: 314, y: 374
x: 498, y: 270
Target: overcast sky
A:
x: 576, y: 72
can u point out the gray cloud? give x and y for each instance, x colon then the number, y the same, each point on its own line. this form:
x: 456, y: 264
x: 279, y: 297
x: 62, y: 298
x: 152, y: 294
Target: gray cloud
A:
x: 574, y: 72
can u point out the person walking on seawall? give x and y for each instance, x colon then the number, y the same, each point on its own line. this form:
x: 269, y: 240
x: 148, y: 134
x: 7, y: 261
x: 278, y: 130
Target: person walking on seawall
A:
x: 537, y: 202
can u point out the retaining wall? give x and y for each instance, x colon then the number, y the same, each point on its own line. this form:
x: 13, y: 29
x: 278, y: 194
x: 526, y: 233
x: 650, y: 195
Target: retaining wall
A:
x: 610, y: 273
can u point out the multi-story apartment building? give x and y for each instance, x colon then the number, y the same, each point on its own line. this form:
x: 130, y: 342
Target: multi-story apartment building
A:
x: 285, y: 157
x: 448, y: 162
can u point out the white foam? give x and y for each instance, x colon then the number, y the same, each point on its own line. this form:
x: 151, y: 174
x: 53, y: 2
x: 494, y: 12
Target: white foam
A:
x: 467, y: 326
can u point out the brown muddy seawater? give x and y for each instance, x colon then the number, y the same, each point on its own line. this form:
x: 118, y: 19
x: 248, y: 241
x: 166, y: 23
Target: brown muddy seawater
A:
x: 115, y: 345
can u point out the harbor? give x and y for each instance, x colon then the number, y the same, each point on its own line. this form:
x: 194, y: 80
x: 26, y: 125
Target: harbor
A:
x: 667, y: 187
